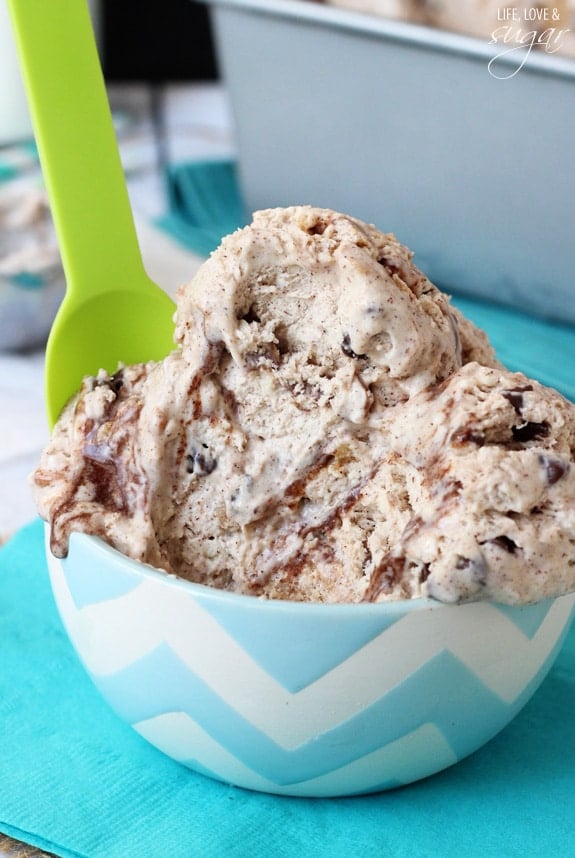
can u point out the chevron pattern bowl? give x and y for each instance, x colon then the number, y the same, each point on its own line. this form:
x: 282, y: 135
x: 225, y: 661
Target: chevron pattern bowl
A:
x: 300, y: 699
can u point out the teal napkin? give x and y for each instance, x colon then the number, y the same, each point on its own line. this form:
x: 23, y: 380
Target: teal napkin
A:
x: 204, y: 204
x: 18, y: 159
x: 77, y: 782
x: 539, y: 348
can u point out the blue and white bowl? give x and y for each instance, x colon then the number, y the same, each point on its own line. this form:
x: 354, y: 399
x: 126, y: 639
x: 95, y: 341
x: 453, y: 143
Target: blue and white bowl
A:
x: 300, y: 699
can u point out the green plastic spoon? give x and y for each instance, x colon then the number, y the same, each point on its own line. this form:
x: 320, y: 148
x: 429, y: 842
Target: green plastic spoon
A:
x: 112, y: 311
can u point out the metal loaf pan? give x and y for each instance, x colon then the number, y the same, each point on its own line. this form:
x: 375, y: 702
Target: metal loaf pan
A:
x: 409, y: 128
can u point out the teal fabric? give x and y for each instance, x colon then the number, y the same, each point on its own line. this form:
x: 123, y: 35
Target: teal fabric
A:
x: 204, y: 204
x: 18, y: 159
x: 77, y: 782
x: 539, y: 348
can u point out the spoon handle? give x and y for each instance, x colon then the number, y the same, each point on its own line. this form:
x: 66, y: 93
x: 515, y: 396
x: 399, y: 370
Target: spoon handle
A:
x: 77, y: 144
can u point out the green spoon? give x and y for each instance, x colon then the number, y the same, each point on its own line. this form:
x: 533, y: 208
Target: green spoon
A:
x: 112, y: 311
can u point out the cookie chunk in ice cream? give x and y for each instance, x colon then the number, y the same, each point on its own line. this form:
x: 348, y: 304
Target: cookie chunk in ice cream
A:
x: 328, y: 428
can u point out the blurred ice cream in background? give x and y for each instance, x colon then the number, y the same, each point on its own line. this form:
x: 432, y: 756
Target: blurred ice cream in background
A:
x: 552, y: 23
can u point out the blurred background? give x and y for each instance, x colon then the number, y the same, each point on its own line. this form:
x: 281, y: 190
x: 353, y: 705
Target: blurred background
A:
x: 143, y: 40
x: 389, y: 110
x: 163, y: 84
x: 169, y: 108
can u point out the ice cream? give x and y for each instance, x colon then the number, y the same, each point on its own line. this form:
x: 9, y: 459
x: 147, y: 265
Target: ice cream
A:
x: 328, y: 428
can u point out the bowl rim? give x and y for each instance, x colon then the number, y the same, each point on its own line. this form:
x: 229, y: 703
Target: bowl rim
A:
x: 98, y: 548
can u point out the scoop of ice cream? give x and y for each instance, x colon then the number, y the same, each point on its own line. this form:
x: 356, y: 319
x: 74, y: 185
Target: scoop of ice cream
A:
x: 327, y: 429
x: 331, y: 306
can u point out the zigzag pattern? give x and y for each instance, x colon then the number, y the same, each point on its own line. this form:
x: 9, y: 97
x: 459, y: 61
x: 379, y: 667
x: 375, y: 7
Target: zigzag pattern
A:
x: 388, y: 719
x: 422, y: 752
x: 314, y: 740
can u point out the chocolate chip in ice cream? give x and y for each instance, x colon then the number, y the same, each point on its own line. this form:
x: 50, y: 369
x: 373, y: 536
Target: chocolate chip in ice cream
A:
x: 114, y: 382
x: 199, y: 461
x: 515, y: 397
x: 554, y: 468
x: 473, y: 570
x: 504, y: 542
x: 348, y: 351
x: 530, y: 431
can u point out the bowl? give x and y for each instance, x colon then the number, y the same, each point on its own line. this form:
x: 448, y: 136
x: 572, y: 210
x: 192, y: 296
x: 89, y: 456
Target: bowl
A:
x: 300, y: 699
